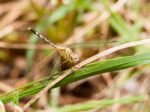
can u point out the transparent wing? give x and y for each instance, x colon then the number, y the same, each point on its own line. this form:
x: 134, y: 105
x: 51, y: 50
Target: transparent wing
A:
x: 93, y: 44
x: 57, y: 66
x: 40, y: 64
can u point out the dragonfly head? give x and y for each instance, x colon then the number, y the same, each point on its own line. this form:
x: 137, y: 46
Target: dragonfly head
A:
x: 75, y: 58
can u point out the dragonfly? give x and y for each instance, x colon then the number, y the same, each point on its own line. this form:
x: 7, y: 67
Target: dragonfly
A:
x: 67, y: 57
x: 65, y: 53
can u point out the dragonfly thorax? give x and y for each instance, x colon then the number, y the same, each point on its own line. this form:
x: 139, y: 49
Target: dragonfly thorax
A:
x: 68, y: 55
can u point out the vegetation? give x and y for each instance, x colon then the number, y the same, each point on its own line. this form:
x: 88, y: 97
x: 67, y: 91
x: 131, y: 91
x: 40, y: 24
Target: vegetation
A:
x: 109, y: 37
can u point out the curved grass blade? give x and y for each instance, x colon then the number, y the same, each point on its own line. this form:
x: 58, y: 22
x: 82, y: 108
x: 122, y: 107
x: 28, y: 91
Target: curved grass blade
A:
x: 87, y: 71
x: 106, y: 66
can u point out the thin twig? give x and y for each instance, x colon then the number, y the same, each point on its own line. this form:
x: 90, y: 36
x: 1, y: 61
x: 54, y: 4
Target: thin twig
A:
x: 83, y: 63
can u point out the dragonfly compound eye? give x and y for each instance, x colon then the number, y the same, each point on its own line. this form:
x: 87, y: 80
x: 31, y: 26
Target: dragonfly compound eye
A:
x: 76, y: 57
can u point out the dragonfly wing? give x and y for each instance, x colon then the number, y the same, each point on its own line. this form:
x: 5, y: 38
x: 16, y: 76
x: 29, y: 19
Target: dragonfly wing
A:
x: 57, y: 66
x: 94, y: 44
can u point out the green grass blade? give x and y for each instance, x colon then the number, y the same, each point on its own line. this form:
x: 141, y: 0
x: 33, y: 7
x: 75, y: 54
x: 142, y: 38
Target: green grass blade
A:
x: 87, y: 71
x: 100, y: 104
x: 121, y: 26
x: 16, y: 98
x: 64, y: 10
x: 61, y: 13
x: 107, y: 66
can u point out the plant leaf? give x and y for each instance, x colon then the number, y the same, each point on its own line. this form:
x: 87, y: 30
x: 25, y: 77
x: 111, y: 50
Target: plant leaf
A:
x: 87, y: 71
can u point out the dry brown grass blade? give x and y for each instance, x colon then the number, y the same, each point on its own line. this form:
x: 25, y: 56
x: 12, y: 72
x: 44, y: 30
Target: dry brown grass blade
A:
x: 5, y: 88
x: 23, y: 46
x: 13, y: 14
x: 6, y: 6
x: 83, y: 63
x: 11, y: 27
